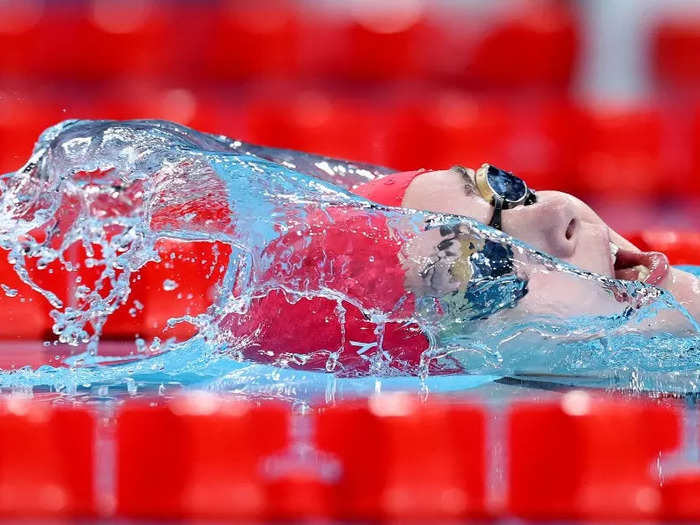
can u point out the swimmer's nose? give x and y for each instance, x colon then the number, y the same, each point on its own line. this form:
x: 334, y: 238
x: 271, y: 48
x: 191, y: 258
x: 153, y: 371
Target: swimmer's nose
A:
x: 552, y: 225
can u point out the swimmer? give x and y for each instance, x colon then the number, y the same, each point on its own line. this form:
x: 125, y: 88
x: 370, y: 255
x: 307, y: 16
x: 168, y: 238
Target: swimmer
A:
x: 437, y: 263
x: 555, y: 223
x: 337, y: 284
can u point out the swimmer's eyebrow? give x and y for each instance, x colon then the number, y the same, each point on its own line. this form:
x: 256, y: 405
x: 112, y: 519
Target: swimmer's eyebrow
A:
x: 469, y: 182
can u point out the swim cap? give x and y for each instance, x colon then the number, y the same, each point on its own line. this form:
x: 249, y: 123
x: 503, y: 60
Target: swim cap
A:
x: 390, y: 189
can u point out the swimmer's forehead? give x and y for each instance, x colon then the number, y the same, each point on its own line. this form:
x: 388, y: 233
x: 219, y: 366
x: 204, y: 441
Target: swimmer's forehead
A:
x: 456, y: 179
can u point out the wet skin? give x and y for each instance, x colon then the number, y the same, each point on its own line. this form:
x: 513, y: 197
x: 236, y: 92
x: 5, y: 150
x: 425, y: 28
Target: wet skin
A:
x: 560, y: 225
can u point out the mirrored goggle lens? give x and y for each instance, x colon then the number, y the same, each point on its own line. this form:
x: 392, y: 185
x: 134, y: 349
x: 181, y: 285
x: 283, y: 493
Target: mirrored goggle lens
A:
x: 506, y: 185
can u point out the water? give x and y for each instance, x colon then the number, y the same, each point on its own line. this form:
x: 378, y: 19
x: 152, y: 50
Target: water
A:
x: 97, y: 201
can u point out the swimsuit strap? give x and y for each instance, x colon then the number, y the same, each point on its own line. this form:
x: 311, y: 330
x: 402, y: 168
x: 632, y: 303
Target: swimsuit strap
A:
x: 390, y: 189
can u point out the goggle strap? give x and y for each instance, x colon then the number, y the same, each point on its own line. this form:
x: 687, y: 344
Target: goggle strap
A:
x: 498, y: 204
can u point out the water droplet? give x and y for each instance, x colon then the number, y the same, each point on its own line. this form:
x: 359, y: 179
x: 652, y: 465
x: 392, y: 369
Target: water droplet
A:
x: 10, y: 292
x: 169, y: 285
x: 131, y: 386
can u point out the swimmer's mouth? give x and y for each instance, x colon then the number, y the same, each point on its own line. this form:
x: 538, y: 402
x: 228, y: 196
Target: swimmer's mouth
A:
x: 647, y: 267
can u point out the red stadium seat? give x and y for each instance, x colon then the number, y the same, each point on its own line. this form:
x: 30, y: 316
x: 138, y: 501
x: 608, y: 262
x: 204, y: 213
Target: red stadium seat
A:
x: 532, y: 44
x: 620, y: 148
x: 391, y: 456
x: 21, y: 26
x: 680, y: 247
x: 199, y: 109
x: 680, y: 496
x: 147, y: 102
x: 689, y: 184
x: 131, y: 40
x: 259, y: 39
x: 442, y: 128
x: 96, y: 39
x: 676, y: 51
x: 447, y: 128
x: 366, y: 41
x: 528, y: 44
x: 541, y: 143
x: 46, y: 460
x: 204, y: 457
x: 319, y: 123
x: 23, y: 116
x: 588, y: 458
x: 24, y: 313
x: 403, y: 459
x: 183, y: 283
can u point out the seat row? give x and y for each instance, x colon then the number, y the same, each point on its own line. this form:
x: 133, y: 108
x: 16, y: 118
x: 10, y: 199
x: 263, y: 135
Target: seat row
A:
x: 649, y: 152
x: 515, y: 43
x: 525, y: 43
x: 391, y: 456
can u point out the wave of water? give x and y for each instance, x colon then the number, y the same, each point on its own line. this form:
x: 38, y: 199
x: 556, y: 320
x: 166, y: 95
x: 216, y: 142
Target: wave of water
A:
x: 113, y: 192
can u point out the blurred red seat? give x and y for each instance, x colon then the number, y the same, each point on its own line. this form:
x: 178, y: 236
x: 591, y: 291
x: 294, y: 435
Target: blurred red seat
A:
x: 196, y: 456
x: 541, y: 142
x: 20, y: 31
x: 23, y: 116
x: 194, y: 108
x: 123, y: 39
x: 447, y: 128
x: 585, y: 457
x: 530, y: 44
x: 404, y: 459
x: 531, y: 137
x: 251, y: 39
x: 680, y: 496
x: 183, y: 283
x: 370, y: 41
x: 90, y: 40
x: 619, y: 152
x: 687, y: 182
x: 676, y: 51
x: 24, y: 313
x: 680, y: 247
x: 46, y: 460
x: 319, y: 123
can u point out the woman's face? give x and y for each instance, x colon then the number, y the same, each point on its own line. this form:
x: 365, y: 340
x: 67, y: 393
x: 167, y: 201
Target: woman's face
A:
x: 560, y: 225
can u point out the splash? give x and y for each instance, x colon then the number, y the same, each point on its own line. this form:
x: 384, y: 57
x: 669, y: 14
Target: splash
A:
x: 165, y: 256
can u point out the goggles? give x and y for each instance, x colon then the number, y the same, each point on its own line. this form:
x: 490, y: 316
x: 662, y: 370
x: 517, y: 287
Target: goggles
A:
x: 501, y: 189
